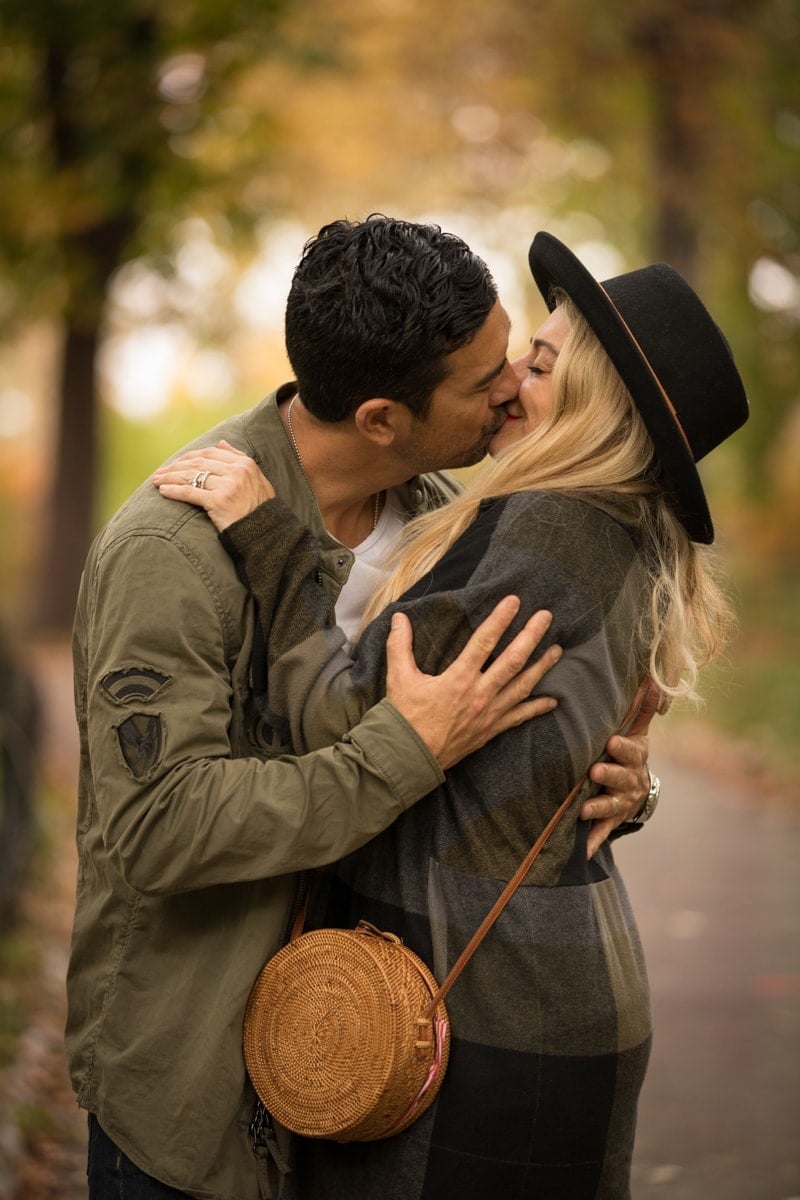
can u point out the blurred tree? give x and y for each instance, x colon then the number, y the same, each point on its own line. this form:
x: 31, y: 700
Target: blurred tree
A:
x: 20, y: 741
x: 707, y: 92
x: 115, y: 121
x: 664, y: 128
x: 668, y: 128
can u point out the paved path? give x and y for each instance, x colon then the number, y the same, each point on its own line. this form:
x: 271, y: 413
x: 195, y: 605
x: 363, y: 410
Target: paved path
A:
x: 716, y: 886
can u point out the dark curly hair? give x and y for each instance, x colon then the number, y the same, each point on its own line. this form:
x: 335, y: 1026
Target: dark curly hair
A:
x: 374, y: 309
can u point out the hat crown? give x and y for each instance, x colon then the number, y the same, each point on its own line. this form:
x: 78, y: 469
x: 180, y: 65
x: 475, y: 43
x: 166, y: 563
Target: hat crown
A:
x: 686, y: 351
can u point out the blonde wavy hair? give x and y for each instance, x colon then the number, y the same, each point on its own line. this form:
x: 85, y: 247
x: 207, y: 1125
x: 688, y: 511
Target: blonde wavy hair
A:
x: 594, y: 444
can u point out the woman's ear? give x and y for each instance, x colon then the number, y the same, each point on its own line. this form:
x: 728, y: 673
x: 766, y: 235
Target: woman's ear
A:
x: 381, y: 421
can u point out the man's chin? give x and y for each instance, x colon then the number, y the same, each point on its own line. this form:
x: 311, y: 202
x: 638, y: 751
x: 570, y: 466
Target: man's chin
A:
x: 480, y: 452
x: 497, y: 446
x: 472, y: 458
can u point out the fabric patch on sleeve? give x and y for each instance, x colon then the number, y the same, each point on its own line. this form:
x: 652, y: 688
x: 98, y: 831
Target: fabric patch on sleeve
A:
x: 141, y: 740
x: 141, y: 684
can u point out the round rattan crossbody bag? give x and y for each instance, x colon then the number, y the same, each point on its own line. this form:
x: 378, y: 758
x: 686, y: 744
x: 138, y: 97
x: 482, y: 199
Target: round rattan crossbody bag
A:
x: 342, y: 1038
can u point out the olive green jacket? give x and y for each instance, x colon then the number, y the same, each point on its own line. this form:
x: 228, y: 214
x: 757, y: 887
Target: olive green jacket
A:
x: 192, y: 822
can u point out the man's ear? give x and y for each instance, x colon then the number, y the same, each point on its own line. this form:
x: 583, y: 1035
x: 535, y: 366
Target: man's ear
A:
x: 381, y: 421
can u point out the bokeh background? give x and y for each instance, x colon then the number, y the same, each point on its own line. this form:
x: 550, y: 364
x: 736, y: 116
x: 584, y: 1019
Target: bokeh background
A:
x: 162, y: 166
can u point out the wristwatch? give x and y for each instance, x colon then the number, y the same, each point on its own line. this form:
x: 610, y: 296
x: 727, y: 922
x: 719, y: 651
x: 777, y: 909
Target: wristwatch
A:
x: 650, y: 801
x: 644, y: 813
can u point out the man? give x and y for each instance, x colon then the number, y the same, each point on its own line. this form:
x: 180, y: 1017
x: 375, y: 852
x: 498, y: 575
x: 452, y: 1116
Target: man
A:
x: 193, y: 817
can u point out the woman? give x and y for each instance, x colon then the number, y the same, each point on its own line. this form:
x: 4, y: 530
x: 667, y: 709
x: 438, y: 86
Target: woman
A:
x: 591, y: 509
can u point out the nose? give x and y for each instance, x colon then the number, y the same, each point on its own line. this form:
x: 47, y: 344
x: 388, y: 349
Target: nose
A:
x: 505, y: 387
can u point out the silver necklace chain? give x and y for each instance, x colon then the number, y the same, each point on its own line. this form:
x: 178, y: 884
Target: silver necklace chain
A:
x: 376, y: 510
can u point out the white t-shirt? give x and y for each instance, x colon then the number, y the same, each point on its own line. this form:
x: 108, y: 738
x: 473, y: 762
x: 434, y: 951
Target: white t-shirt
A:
x: 370, y: 557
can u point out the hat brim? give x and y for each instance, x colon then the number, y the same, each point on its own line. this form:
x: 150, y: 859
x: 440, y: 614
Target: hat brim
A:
x: 553, y: 265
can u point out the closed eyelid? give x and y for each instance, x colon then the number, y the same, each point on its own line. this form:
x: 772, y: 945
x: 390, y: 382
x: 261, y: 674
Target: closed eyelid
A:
x: 542, y: 357
x: 539, y: 346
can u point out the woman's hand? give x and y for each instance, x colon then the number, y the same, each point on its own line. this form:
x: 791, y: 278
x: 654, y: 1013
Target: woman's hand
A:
x: 224, y: 481
x: 625, y: 780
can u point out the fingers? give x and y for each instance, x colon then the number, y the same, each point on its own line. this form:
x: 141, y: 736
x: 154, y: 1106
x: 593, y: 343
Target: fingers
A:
x: 620, y: 801
x: 505, y: 686
x: 611, y: 776
x: 630, y: 752
x: 189, y: 493
x: 399, y: 649
x: 623, y: 792
x: 224, y: 481
x: 624, y: 780
x: 483, y: 641
x: 460, y: 710
x: 520, y: 712
x: 605, y: 812
x: 603, y: 807
x: 527, y: 680
x: 210, y: 458
x: 598, y: 834
x: 511, y: 663
x: 512, y: 660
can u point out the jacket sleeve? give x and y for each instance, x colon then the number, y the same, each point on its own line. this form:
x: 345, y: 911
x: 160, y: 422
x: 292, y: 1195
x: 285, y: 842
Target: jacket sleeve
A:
x: 177, y: 811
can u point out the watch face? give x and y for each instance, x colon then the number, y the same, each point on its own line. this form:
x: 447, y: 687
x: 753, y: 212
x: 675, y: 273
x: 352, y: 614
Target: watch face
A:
x: 652, y: 798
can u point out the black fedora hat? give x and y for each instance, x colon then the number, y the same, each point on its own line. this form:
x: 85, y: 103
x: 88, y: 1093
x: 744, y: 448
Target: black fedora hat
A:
x: 672, y: 357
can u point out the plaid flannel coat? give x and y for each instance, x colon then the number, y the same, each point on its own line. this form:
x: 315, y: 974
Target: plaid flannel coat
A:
x: 551, y: 1018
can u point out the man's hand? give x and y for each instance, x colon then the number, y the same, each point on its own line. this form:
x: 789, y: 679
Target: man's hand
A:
x: 625, y: 780
x: 460, y: 710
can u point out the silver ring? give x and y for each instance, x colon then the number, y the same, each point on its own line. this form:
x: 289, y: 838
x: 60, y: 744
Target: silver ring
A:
x: 199, y: 478
x: 616, y: 805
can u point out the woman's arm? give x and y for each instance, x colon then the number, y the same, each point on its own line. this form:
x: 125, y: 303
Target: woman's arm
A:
x: 310, y: 682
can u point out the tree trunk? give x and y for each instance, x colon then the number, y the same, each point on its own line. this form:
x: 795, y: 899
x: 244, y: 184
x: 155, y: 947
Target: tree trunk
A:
x: 676, y: 169
x: 69, y: 514
x: 676, y: 70
x: 91, y: 251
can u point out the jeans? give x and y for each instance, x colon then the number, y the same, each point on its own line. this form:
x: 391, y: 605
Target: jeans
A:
x: 112, y: 1176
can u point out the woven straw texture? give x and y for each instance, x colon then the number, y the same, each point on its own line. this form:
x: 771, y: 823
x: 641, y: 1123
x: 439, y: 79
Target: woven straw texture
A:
x: 336, y: 1037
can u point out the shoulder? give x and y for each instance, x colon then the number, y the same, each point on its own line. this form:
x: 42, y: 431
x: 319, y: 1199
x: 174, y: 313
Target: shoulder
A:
x: 560, y: 550
x: 563, y: 520
x: 170, y: 546
x: 147, y: 515
x: 145, y: 563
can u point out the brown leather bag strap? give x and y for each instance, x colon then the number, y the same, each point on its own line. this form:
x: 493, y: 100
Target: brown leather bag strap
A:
x: 502, y: 900
x: 307, y: 879
x: 522, y: 870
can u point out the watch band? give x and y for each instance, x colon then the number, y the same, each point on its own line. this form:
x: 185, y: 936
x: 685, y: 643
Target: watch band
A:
x: 651, y: 800
x: 647, y: 809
